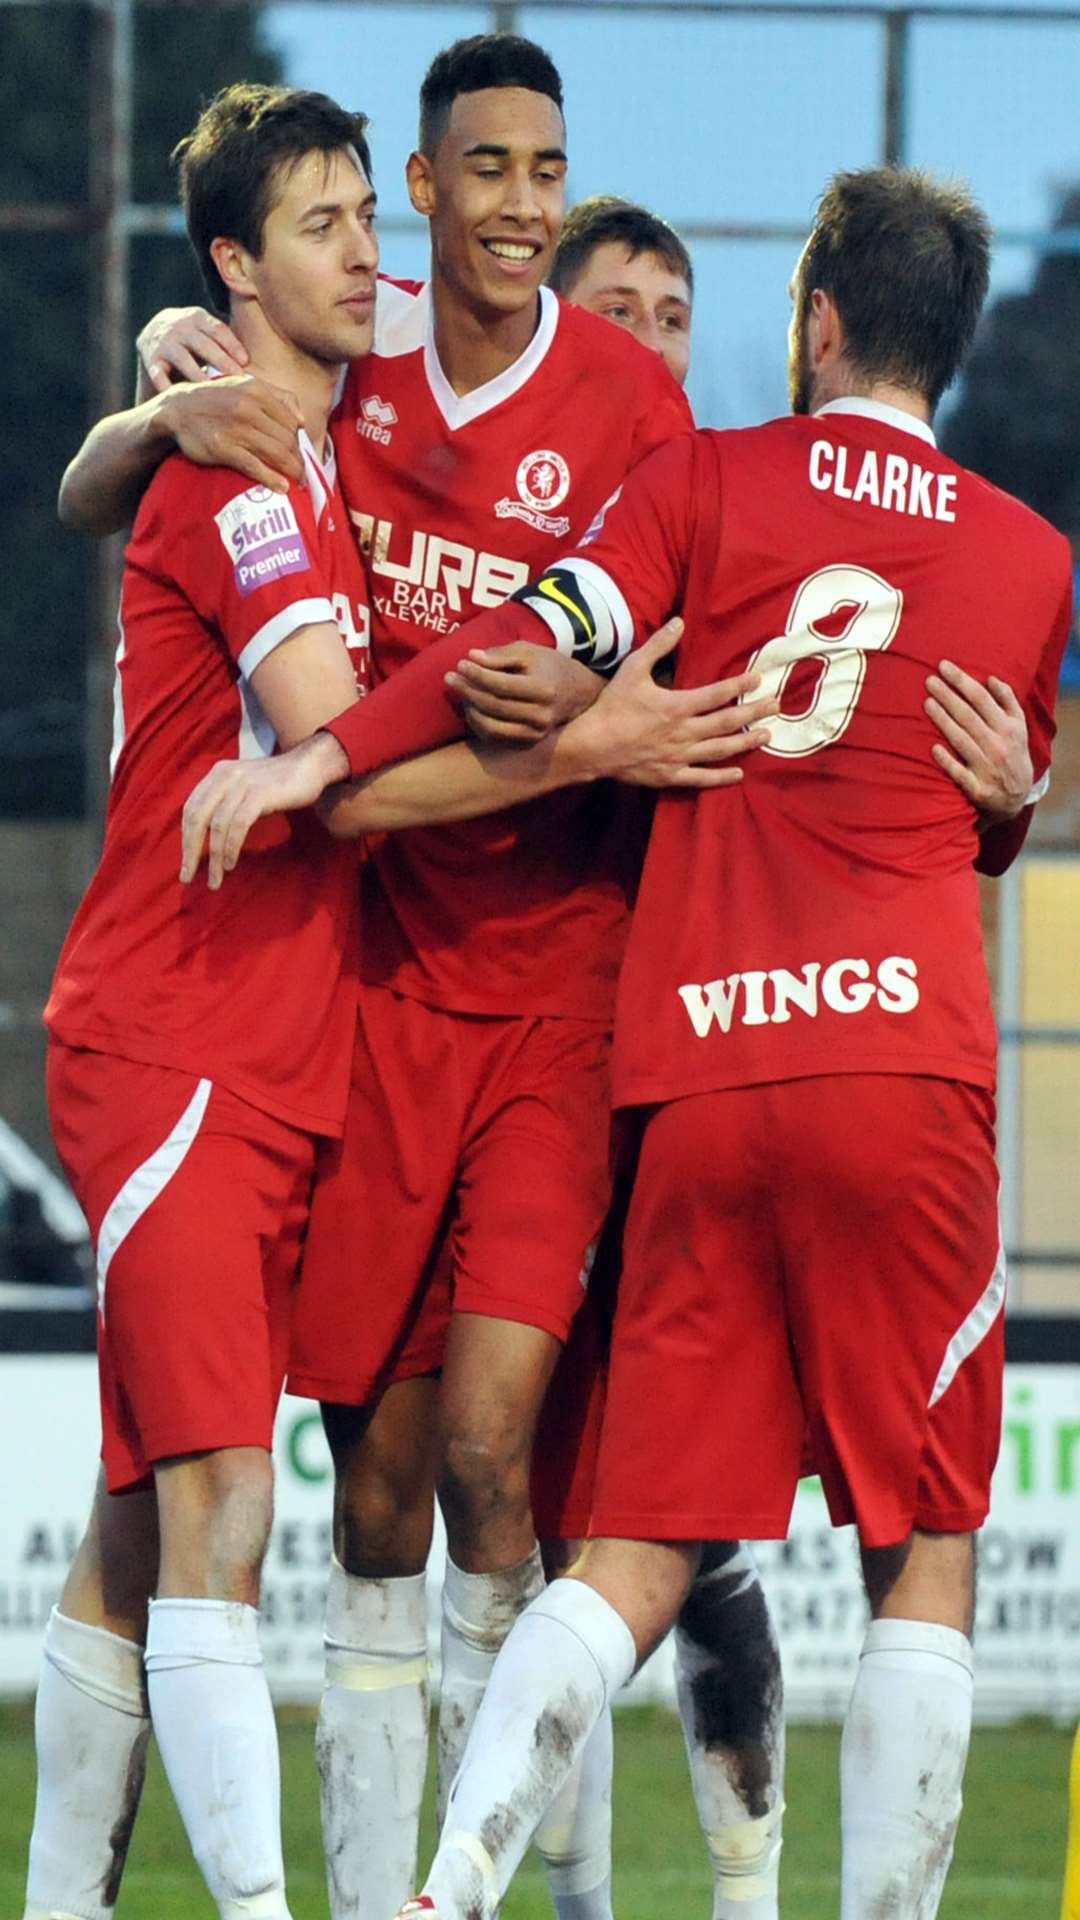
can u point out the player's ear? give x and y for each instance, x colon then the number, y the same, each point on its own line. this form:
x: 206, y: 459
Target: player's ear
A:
x: 420, y: 181
x: 233, y: 263
x: 825, y: 332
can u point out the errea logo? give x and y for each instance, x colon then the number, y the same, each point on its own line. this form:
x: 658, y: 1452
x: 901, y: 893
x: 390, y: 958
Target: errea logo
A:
x: 376, y: 419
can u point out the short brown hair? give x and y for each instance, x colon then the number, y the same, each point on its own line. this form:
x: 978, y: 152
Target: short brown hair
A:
x: 605, y: 217
x: 230, y: 161
x: 907, y: 262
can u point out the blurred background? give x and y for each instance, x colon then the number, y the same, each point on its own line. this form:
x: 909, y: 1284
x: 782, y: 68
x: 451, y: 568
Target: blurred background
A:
x: 727, y: 120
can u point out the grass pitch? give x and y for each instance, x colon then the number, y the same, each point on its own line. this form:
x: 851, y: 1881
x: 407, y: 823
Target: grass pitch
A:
x: 1008, y: 1865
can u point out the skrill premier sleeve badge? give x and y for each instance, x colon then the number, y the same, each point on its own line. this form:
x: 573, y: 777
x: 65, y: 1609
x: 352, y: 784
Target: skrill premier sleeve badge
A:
x: 259, y: 533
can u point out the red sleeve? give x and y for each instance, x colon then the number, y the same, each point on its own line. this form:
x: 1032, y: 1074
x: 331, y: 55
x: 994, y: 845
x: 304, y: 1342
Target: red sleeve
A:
x: 414, y: 710
x: 246, y: 559
x: 593, y: 605
x: 999, y: 846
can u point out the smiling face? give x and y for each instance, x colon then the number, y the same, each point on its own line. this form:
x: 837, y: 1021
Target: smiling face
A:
x: 314, y: 277
x: 641, y: 293
x: 494, y: 193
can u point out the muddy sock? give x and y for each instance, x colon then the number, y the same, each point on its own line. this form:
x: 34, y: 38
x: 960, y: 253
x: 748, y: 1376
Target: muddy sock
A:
x: 479, y: 1610
x: 91, y: 1728
x: 731, y: 1703
x: 902, y: 1762
x: 371, y: 1741
x: 560, y: 1668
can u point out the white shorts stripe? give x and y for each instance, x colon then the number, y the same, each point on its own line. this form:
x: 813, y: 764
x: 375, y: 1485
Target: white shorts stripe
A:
x: 973, y: 1330
x: 142, y: 1188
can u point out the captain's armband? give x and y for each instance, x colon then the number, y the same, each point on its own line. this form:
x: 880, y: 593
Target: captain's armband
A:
x: 585, y: 612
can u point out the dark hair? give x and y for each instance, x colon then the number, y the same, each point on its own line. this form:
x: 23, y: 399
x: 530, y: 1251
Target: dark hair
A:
x: 907, y: 262
x: 485, y: 60
x: 229, y: 163
x: 604, y: 217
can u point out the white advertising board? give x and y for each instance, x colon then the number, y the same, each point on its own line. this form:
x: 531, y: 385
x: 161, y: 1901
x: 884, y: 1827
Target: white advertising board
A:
x: 1028, y: 1635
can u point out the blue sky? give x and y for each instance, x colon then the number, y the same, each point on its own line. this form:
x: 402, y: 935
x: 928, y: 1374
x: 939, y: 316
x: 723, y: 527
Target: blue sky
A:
x: 730, y: 118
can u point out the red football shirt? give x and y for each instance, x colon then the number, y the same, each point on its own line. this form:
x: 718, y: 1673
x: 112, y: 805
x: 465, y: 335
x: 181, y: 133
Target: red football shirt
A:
x: 822, y: 917
x: 457, y: 501
x: 253, y: 986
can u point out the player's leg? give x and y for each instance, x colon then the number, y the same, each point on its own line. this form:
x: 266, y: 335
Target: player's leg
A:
x: 197, y: 1204
x: 731, y: 1703
x: 895, y: 1308
x: 556, y: 1675
x: 533, y: 1186
x: 91, y: 1720
x: 574, y: 1836
x: 908, y: 1725
x: 699, y: 1301
x: 373, y: 1307
x: 494, y: 1379
x: 375, y: 1701
x: 729, y: 1681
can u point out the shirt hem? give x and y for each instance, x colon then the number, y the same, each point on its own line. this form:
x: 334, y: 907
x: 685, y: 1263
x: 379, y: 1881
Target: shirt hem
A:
x: 236, y: 1084
x: 490, y: 1007
x: 631, y: 1092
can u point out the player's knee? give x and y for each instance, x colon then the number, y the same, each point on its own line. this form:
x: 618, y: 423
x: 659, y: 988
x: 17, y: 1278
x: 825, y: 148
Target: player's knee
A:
x: 928, y: 1576
x: 216, y: 1515
x: 383, y: 1524
x: 483, y: 1478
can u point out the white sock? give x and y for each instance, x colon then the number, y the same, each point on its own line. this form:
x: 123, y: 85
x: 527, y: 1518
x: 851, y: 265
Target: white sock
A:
x: 731, y: 1703
x: 371, y: 1741
x: 574, y: 1836
x: 478, y: 1611
x: 91, y: 1728
x: 902, y: 1767
x: 563, y: 1663
x: 214, y: 1723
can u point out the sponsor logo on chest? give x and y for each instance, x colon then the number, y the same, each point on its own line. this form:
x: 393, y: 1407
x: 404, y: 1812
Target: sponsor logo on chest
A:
x: 760, y: 997
x: 258, y: 531
x: 543, y: 482
x: 435, y: 583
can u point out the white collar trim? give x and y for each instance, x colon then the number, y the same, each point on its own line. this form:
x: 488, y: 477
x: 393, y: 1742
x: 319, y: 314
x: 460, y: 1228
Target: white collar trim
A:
x: 321, y: 474
x: 877, y: 410
x: 459, y: 410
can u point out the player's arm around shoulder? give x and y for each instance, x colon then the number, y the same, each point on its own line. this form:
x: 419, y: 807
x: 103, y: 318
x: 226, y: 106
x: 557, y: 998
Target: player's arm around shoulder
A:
x: 193, y: 397
x: 996, y: 743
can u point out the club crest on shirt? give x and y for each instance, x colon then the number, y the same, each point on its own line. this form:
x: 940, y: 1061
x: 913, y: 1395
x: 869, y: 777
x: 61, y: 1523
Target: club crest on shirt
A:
x: 543, y: 482
x: 259, y: 533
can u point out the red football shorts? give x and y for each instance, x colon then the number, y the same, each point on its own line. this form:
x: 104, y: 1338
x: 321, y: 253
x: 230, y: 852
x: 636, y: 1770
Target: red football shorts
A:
x: 814, y: 1259
x: 197, y: 1204
x: 473, y: 1177
x: 567, y: 1442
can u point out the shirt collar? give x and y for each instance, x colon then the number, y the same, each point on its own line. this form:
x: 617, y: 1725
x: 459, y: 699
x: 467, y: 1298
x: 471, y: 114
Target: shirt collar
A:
x: 877, y: 410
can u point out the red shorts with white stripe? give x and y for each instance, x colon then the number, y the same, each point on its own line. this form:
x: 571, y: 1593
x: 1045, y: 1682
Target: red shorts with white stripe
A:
x: 197, y: 1204
x: 813, y: 1259
x: 473, y: 1177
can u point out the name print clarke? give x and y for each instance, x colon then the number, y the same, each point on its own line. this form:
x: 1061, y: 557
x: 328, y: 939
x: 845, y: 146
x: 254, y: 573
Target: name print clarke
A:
x: 886, y: 480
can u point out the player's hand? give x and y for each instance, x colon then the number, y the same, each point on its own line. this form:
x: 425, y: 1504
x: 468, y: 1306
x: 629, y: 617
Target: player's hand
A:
x: 222, y: 809
x: 241, y: 422
x: 987, y: 732
x: 187, y: 343
x: 653, y: 736
x: 521, y: 691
